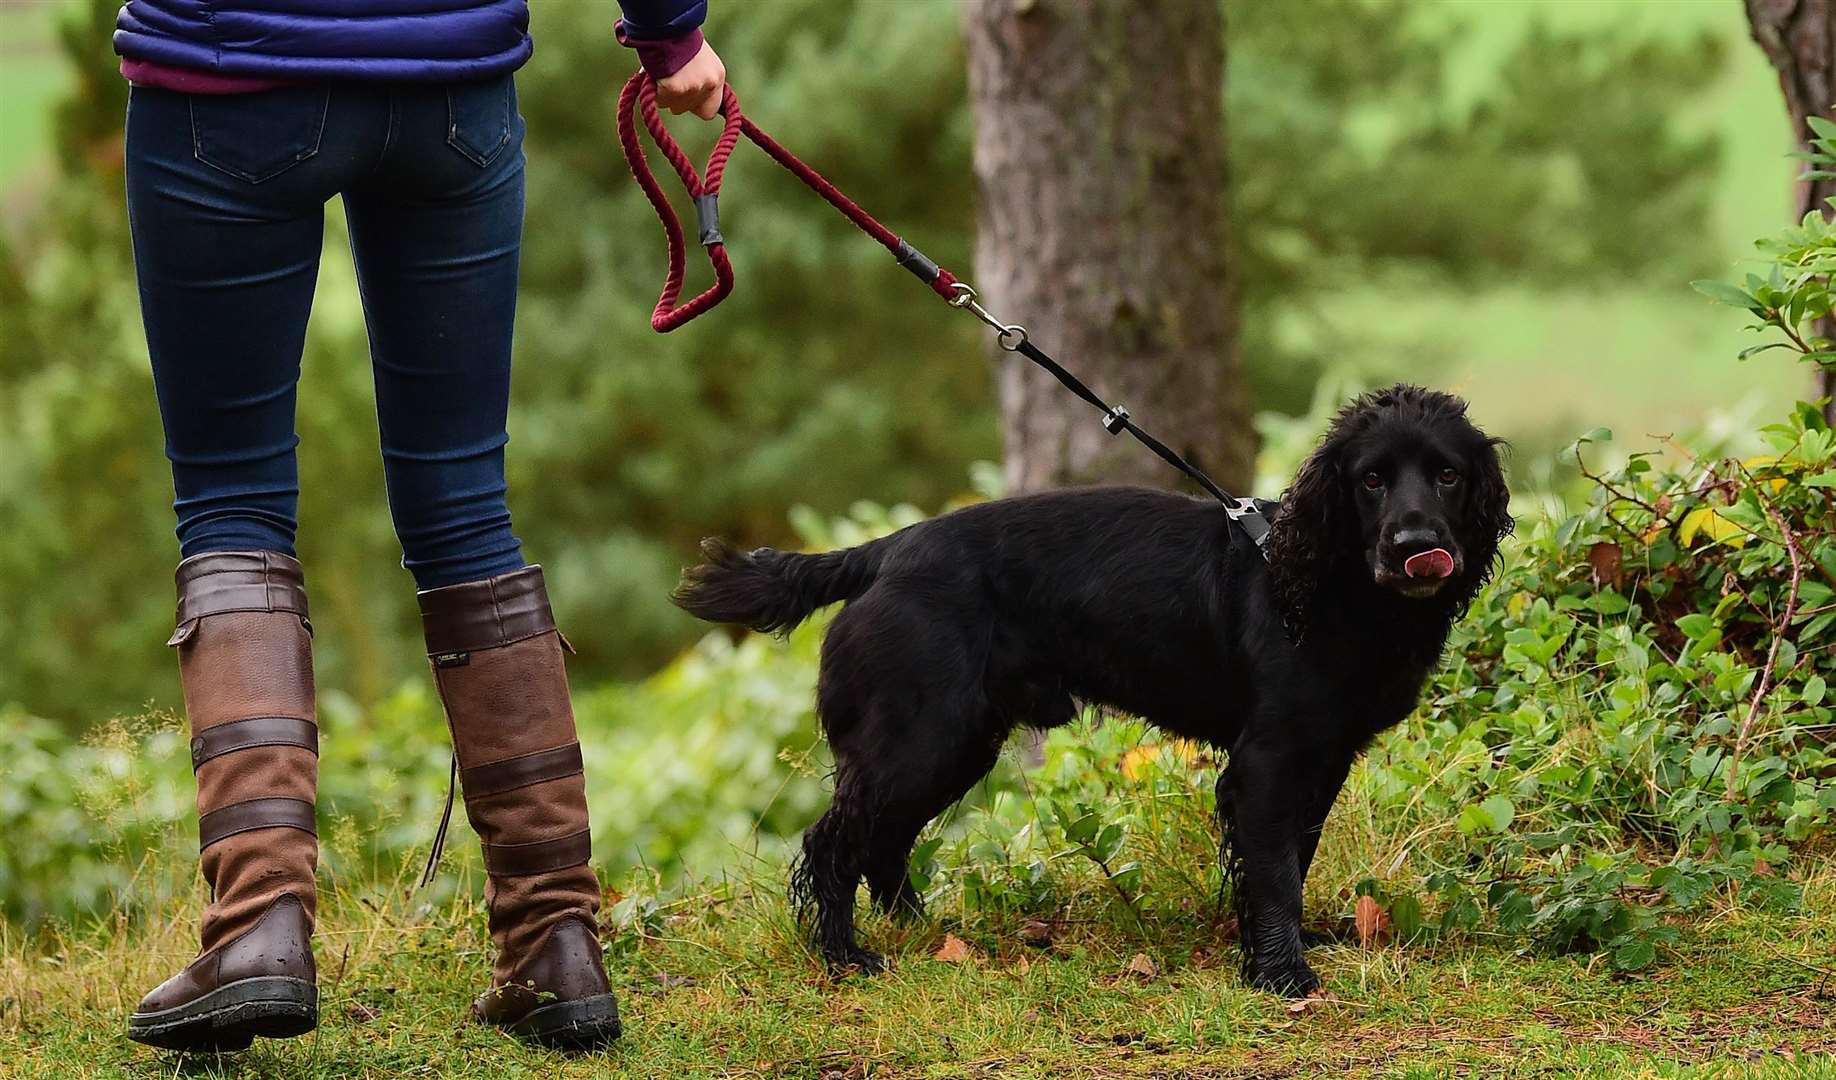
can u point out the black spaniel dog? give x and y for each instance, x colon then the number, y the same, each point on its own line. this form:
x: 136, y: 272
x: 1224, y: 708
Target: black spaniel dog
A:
x: 960, y: 629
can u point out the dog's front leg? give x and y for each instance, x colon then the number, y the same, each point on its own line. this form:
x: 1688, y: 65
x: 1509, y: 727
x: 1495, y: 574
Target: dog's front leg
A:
x: 1263, y: 805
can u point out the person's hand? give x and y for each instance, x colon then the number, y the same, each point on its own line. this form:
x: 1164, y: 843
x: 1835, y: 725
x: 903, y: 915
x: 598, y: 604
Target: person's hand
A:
x: 696, y: 86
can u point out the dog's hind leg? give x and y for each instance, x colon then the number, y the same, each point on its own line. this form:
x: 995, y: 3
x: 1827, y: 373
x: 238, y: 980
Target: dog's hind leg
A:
x: 926, y: 781
x: 825, y: 877
x: 888, y: 869
x: 901, y: 701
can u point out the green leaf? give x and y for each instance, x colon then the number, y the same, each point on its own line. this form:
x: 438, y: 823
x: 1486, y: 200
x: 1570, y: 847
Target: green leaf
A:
x: 1494, y: 815
x: 1108, y: 842
x: 1823, y: 127
x: 1634, y: 954
x: 1406, y: 917
x: 1814, y: 688
x: 1609, y: 602
x: 1723, y: 293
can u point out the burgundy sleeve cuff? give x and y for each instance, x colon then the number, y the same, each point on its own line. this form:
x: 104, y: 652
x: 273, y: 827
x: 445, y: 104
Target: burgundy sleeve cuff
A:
x: 662, y: 58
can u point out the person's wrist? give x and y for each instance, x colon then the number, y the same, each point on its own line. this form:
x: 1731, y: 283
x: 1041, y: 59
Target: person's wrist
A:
x: 662, y: 57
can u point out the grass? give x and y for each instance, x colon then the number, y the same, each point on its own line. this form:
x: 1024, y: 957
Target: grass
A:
x: 719, y: 984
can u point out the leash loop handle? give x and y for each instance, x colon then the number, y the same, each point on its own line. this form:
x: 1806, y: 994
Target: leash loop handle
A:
x: 639, y: 99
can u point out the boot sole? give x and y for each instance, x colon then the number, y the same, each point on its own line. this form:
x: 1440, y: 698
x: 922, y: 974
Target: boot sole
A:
x: 583, y: 1024
x: 231, y: 1016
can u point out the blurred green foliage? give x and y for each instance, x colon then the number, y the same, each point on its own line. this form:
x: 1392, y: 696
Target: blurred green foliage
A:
x: 1613, y: 742
x: 827, y: 378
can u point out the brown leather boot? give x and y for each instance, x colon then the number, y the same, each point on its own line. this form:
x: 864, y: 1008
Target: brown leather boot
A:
x: 245, y: 657
x: 497, y: 658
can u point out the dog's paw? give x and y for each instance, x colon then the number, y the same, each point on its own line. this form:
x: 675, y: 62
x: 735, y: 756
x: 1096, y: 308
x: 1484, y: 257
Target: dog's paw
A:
x: 1313, y: 939
x: 1290, y: 981
x: 857, y: 962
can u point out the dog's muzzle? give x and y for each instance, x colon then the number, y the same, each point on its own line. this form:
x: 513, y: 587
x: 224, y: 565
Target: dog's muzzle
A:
x: 1434, y: 563
x: 1421, y: 574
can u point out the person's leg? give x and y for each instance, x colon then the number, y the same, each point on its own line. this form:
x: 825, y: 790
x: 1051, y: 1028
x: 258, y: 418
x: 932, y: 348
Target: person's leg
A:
x: 437, y: 232
x: 226, y: 252
x: 437, y: 235
x: 225, y: 201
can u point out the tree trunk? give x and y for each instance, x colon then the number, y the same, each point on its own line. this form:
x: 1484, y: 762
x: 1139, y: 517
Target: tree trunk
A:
x: 1799, y: 37
x: 1099, y: 158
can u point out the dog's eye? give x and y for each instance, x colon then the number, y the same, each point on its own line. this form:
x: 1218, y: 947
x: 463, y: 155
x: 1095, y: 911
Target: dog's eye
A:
x: 1372, y: 481
x: 1448, y: 477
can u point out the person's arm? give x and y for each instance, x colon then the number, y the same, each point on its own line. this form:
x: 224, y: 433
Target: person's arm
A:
x: 667, y: 37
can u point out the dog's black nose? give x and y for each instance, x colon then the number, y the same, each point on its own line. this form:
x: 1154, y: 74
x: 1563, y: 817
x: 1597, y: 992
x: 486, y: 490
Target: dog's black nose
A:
x: 1416, y: 539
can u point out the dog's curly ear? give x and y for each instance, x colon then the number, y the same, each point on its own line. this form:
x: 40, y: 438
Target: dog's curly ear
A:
x: 1308, y: 533
x: 1489, y: 521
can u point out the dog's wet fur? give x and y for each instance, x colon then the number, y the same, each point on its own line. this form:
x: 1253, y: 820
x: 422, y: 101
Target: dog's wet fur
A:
x: 1009, y: 613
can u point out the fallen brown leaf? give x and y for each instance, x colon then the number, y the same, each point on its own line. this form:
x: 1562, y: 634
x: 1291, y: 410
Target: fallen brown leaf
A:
x: 1315, y: 1000
x: 954, y: 951
x: 1371, y: 921
x: 1143, y: 966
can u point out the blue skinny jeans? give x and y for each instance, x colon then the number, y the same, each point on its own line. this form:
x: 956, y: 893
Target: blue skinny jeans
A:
x: 226, y: 201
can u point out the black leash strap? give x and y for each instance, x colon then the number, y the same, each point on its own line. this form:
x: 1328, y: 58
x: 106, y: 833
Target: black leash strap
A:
x: 1252, y: 515
x: 1116, y: 420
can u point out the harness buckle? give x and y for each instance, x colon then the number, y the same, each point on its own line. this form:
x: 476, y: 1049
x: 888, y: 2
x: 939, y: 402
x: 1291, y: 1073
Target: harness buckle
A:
x: 1116, y: 419
x: 1252, y: 518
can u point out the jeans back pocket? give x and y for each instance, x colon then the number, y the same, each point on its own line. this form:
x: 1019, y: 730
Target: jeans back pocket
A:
x: 258, y: 136
x: 479, y: 117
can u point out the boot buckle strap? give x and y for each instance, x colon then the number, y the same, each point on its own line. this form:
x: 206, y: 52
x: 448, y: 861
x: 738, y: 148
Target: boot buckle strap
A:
x: 220, y: 582
x: 486, y: 614
x: 540, y: 857
x: 253, y: 732
x: 252, y: 814
x: 498, y: 777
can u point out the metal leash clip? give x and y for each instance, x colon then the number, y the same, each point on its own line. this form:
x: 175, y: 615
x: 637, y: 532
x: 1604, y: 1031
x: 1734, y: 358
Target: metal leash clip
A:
x: 1009, y: 336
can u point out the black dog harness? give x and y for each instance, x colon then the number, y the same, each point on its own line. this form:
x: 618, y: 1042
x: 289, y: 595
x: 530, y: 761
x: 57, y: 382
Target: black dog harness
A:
x: 639, y: 98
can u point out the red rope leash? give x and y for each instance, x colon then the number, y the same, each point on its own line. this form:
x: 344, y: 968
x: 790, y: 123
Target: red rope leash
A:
x: 639, y: 98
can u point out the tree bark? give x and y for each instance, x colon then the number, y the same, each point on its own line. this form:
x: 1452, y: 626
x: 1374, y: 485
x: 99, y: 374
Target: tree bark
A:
x: 1799, y: 37
x: 1100, y: 165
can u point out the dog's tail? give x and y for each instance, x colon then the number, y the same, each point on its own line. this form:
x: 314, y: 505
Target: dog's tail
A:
x: 771, y: 590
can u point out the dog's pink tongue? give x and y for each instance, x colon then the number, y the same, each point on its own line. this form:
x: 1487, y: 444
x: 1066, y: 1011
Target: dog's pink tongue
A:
x: 1434, y: 563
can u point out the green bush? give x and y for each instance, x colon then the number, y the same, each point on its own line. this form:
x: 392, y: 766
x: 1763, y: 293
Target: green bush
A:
x: 1633, y: 722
